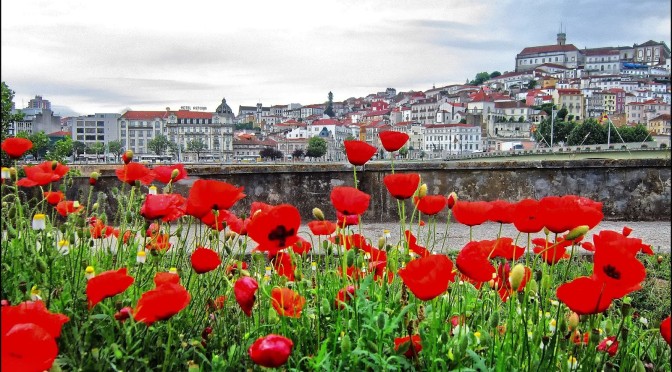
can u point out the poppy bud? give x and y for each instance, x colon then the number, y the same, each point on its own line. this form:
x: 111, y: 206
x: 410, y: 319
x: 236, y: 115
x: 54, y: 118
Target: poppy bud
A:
x: 54, y: 164
x: 659, y: 259
x: 193, y: 366
x: 516, y: 276
x: 595, y: 336
x: 350, y: 258
x: 452, y: 199
x: 93, y: 178
x: 547, y: 232
x: 422, y: 191
x: 573, y: 321
x: 381, y: 242
x: 95, y: 206
x: 41, y: 265
x: 577, y: 232
x: 174, y: 174
x: 127, y: 156
x: 318, y: 214
x: 345, y: 344
x: 625, y: 308
x: 546, y: 281
x: 533, y: 287
x: 12, y: 172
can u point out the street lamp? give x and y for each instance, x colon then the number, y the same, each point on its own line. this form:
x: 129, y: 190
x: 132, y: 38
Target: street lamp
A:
x: 553, y: 111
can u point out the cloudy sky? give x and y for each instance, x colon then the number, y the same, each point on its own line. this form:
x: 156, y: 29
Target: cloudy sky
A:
x: 108, y: 56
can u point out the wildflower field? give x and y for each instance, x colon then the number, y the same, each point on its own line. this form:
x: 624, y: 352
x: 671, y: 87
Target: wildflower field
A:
x: 89, y: 292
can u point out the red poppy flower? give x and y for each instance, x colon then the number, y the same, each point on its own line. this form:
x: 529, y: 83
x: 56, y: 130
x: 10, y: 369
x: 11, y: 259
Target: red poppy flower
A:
x: 127, y: 156
x: 402, y: 185
x: 15, y: 147
x: 665, y: 330
x: 503, y: 281
x: 344, y: 220
x: 43, y: 174
x: 579, y: 339
x: 412, y: 345
x: 302, y: 246
x: 165, y: 277
x: 349, y: 241
x: 322, y: 227
x: 617, y: 267
x: 584, y: 295
x: 344, y: 296
x: 358, y: 152
x: 53, y: 197
x: 527, y: 216
x: 206, y: 195
x: 608, y: 238
x: 218, y: 220
x: 27, y: 347
x: 233, y: 268
x: 428, y: 277
x: 504, y: 248
x: 271, y: 351
x: 472, y: 261
x: 283, y: 265
x: 567, y: 212
x: 238, y: 225
x: 123, y: 314
x: 413, y: 245
x: 348, y: 200
x: 378, y: 269
x: 451, y: 199
x: 107, y: 284
x: 159, y: 242
x: 626, y: 231
x: 393, y: 140
x: 126, y: 236
x: 259, y: 207
x: 502, y: 211
x: 161, y: 303
x: 99, y: 229
x: 245, y: 290
x: 430, y: 204
x: 204, y: 260
x: 287, y: 302
x: 67, y: 207
x: 34, y: 312
x: 275, y: 229
x: 167, y: 207
x: 609, y: 345
x: 132, y: 172
x: 471, y: 213
x: 551, y: 252
x: 164, y: 173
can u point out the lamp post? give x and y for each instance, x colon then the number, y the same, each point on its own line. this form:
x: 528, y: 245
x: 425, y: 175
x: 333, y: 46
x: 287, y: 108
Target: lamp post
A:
x: 553, y: 111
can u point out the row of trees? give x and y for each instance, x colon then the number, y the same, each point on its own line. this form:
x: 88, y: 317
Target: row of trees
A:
x: 317, y: 148
x: 590, y: 132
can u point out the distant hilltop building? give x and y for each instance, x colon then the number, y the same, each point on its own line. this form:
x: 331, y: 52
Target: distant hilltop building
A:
x: 600, y: 61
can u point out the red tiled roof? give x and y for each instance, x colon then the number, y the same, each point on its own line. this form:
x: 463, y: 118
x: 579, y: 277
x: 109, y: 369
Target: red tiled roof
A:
x: 185, y: 114
x: 59, y: 134
x: 143, y: 115
x: 548, y: 48
x: 377, y: 113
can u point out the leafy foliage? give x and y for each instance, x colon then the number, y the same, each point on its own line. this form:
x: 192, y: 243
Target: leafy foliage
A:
x: 317, y: 147
x: 588, y: 133
x: 270, y: 153
x: 158, y: 144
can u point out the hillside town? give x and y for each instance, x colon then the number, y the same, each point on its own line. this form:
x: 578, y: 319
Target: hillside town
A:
x: 629, y: 85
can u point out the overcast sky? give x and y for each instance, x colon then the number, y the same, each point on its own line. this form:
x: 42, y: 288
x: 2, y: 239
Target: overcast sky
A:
x: 106, y: 56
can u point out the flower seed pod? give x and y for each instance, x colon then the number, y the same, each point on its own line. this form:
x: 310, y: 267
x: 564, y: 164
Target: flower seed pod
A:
x: 422, y: 191
x: 516, y: 276
x: 573, y: 321
x: 452, y: 199
x: 174, y: 174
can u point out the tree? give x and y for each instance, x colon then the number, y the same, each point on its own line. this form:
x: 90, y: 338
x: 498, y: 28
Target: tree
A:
x: 588, y: 133
x: 97, y: 148
x: 330, y: 106
x: 40, y: 143
x: 270, y: 153
x: 561, y: 114
x: 495, y: 74
x: 7, y: 116
x: 480, y: 78
x: 403, y: 152
x: 638, y: 133
x: 158, y: 144
x: 198, y: 146
x: 60, y: 150
x: 317, y: 147
x: 561, y: 130
x: 532, y: 84
x: 298, y: 153
x: 115, y: 147
x: 78, y: 148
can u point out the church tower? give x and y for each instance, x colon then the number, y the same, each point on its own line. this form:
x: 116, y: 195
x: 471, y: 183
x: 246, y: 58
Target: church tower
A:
x: 562, y: 37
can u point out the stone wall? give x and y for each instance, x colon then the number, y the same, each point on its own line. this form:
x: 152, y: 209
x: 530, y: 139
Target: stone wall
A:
x: 635, y: 190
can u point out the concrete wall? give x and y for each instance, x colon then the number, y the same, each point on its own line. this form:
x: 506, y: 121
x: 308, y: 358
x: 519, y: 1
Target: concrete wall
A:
x: 635, y: 190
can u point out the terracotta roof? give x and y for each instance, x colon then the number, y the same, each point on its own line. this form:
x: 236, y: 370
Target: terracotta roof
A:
x: 600, y: 52
x: 59, y: 134
x: 186, y: 114
x: 377, y: 113
x: 662, y: 117
x: 548, y: 48
x: 143, y: 115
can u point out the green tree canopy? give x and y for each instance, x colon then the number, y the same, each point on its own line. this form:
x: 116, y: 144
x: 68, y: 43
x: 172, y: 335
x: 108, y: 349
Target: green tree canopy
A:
x: 317, y: 147
x: 495, y: 74
x: 561, y: 130
x: 115, y: 147
x: 158, y: 144
x: 480, y: 78
x: 588, y: 133
x: 638, y: 133
x: 97, y: 148
x: 7, y: 116
x: 198, y: 146
x: 61, y: 150
x: 561, y: 114
x: 298, y: 153
x: 270, y: 153
x: 78, y: 148
x: 40, y: 143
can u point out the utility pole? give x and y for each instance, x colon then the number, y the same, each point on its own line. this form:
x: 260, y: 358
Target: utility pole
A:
x: 553, y: 111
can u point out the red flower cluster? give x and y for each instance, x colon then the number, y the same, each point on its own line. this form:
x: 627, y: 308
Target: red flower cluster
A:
x: 164, y: 173
x: 67, y: 207
x: 616, y: 272
x: 208, y: 195
x: 409, y: 345
x: 287, y: 302
x: 29, y: 331
x: 167, y: 207
x: 275, y: 228
x: 53, y: 197
x: 135, y: 172
x: 161, y: 303
x: 204, y: 260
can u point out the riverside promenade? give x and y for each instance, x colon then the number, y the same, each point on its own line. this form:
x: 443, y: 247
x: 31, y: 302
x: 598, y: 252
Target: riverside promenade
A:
x: 658, y: 234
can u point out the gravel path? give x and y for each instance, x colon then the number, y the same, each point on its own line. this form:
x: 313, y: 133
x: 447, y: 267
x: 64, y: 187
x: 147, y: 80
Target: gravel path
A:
x: 657, y: 234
